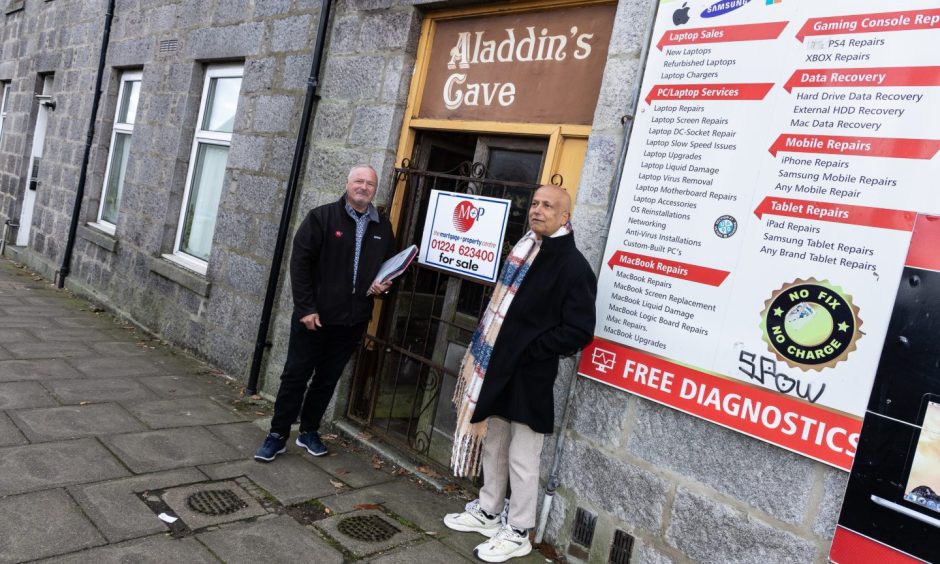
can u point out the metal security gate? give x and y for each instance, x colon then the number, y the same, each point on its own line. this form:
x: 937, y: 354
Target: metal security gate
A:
x: 405, y: 373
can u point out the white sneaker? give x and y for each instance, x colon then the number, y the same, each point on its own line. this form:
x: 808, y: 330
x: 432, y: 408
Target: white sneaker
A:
x: 505, y: 544
x: 473, y: 520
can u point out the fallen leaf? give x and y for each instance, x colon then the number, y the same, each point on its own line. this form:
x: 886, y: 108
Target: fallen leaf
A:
x: 430, y: 532
x: 328, y: 437
x: 337, y: 484
x: 451, y: 488
x: 327, y: 510
x: 83, y: 403
x: 342, y: 472
x: 260, y: 413
x: 367, y: 506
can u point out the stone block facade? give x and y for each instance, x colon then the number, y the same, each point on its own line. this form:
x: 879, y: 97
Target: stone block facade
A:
x: 685, y: 489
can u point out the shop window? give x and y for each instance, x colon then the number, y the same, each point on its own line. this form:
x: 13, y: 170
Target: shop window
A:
x: 207, y: 163
x: 124, y: 118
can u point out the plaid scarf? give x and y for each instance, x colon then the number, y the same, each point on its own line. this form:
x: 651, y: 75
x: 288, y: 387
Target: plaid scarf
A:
x: 468, y: 437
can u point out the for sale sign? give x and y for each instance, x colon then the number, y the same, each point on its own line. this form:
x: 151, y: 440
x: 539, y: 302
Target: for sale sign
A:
x: 463, y: 234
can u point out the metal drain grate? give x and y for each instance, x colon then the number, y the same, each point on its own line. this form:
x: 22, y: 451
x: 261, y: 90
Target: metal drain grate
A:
x: 368, y: 528
x: 215, y: 502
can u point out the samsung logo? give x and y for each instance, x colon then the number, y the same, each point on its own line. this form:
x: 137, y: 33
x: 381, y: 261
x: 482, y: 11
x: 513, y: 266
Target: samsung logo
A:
x: 723, y: 7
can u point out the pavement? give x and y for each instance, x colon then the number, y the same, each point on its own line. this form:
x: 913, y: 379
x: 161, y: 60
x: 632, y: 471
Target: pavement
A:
x: 104, y: 429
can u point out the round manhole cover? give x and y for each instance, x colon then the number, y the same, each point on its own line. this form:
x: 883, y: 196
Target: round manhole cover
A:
x: 368, y: 528
x: 215, y: 502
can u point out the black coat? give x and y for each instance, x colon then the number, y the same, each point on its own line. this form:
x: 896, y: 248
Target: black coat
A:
x: 321, y: 264
x: 551, y: 315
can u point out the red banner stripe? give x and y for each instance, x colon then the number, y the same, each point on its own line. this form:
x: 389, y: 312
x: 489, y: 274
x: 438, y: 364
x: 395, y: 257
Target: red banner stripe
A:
x: 837, y: 213
x: 924, y: 149
x: 722, y: 34
x: 924, y: 251
x: 849, y: 547
x: 802, y: 427
x: 734, y: 91
x: 670, y: 268
x: 871, y: 23
x: 864, y: 77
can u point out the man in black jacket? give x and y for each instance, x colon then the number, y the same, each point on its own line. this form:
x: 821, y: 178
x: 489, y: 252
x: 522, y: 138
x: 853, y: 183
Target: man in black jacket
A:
x: 338, y: 250
x: 552, y: 314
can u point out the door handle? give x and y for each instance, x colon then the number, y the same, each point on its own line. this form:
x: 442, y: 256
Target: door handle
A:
x: 33, y: 184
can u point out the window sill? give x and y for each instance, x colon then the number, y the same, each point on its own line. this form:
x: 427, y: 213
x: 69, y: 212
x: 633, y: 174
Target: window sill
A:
x: 97, y: 234
x: 15, y: 6
x: 176, y: 270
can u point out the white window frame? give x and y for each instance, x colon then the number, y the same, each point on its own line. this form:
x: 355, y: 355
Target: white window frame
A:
x: 4, y: 94
x: 201, y: 137
x: 122, y: 128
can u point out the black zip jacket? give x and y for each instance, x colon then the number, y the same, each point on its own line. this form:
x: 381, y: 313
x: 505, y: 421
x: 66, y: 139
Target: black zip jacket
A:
x: 321, y: 264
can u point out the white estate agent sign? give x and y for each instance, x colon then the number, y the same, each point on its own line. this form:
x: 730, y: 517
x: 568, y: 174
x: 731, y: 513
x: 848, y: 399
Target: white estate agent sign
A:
x: 778, y: 159
x: 463, y: 234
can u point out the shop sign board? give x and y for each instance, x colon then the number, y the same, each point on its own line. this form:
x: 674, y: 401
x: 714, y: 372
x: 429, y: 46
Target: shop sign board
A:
x: 778, y: 159
x: 540, y: 66
x: 463, y: 234
x: 891, y: 510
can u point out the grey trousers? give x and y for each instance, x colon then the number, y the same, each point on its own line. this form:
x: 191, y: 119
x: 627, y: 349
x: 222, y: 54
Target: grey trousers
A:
x: 511, y: 454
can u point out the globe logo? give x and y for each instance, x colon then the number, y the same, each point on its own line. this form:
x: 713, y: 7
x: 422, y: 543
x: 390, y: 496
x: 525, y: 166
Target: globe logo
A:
x: 726, y: 226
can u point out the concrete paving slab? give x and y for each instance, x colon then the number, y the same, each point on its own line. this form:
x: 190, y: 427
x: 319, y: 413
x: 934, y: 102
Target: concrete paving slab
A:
x: 48, y: 350
x: 4, y: 355
x: 121, y: 348
x: 47, y: 465
x: 153, y: 451
x: 246, y: 437
x: 187, y: 385
x: 84, y: 335
x: 151, y: 550
x: 279, y: 539
x: 22, y: 395
x: 34, y: 310
x: 29, y: 322
x: 74, y: 421
x: 116, y: 509
x: 431, y: 552
x: 97, y: 367
x: 7, y: 300
x: 289, y: 479
x: 8, y: 335
x: 48, y: 369
x: 9, y: 434
x: 96, y: 390
x: 352, y: 468
x: 397, y: 533
x: 421, y: 506
x: 43, y: 524
x: 183, y: 412
x: 98, y: 321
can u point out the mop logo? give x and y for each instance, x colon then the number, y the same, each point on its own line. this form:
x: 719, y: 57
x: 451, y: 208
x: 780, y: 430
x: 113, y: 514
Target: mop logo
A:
x: 465, y: 215
x: 723, y: 7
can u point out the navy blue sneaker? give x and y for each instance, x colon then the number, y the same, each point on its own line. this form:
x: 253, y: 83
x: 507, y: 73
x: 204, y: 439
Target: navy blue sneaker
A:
x: 274, y: 444
x: 311, y: 441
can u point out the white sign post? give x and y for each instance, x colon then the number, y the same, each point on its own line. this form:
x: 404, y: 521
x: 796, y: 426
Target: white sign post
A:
x: 777, y: 162
x: 463, y: 234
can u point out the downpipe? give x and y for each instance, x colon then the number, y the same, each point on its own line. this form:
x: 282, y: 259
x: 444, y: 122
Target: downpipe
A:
x: 627, y: 121
x: 311, y: 102
x: 89, y: 139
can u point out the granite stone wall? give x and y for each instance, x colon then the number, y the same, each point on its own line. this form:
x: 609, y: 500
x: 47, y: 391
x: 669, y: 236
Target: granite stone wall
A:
x: 685, y: 489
